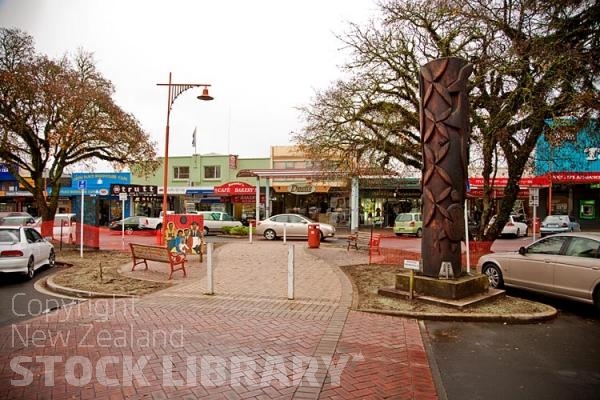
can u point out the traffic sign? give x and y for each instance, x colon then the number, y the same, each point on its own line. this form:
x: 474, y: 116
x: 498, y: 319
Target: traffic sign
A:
x: 82, y: 184
x: 122, y: 196
x: 534, y: 196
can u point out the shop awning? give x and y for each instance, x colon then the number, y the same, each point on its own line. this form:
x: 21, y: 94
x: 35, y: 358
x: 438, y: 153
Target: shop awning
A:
x: 285, y: 173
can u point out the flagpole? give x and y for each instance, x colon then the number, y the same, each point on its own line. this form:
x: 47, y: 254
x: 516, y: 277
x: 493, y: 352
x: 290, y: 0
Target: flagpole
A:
x: 194, y: 141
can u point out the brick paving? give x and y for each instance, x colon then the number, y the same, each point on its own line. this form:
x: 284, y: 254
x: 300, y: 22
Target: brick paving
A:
x: 247, y: 341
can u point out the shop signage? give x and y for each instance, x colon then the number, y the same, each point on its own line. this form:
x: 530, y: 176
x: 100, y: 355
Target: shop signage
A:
x: 523, y: 182
x: 173, y: 190
x: 576, y: 177
x: 5, y: 175
x: 134, y: 190
x: 246, y: 198
x: 302, y: 189
x: 496, y: 193
x: 234, y: 188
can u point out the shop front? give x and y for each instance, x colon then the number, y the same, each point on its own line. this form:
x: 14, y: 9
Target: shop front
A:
x: 319, y: 202
x: 137, y: 200
x: 576, y: 194
x: 382, y: 198
x: 202, y: 199
x: 528, y: 187
x: 303, y: 191
x: 98, y: 205
x: 239, y: 199
x: 573, y: 169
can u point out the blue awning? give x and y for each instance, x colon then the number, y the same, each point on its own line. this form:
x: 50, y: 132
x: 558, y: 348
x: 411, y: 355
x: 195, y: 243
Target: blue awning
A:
x: 199, y: 191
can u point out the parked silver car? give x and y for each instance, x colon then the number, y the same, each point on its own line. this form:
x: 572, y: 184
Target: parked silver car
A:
x: 296, y: 225
x: 564, y: 264
x: 559, y: 224
x: 15, y: 218
x: 24, y: 250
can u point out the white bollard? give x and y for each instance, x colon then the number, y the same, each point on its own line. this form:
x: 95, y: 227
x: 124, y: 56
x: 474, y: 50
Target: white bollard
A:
x: 284, y: 233
x: 209, y: 270
x: 291, y: 272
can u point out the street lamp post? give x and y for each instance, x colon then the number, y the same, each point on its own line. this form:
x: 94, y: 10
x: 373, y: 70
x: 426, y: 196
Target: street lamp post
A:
x: 174, y: 90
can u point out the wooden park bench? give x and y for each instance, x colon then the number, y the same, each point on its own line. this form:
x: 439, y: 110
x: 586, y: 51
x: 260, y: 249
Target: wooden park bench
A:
x: 142, y: 253
x: 364, y: 240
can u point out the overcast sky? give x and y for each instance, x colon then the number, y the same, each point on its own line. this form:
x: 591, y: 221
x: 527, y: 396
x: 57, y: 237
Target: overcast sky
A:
x: 263, y: 58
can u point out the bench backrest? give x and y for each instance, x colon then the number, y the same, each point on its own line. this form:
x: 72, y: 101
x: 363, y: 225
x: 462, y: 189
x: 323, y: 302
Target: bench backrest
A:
x: 150, y: 252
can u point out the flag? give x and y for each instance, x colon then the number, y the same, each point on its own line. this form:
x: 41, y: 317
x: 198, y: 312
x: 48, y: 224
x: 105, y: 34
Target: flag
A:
x: 194, y: 138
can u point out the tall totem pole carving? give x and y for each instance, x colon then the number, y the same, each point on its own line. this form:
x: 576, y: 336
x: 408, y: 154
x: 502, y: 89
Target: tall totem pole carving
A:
x: 444, y: 140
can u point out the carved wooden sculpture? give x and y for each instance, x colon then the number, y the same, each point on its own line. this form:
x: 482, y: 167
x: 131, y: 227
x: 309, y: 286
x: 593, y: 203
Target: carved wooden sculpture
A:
x: 444, y: 140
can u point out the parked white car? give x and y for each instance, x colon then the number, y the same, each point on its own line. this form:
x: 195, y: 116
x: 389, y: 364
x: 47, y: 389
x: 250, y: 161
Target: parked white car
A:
x: 515, y: 226
x: 64, y: 227
x: 214, y: 221
x: 24, y: 250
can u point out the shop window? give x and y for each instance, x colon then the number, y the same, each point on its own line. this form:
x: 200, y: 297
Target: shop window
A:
x: 212, y: 172
x: 181, y: 172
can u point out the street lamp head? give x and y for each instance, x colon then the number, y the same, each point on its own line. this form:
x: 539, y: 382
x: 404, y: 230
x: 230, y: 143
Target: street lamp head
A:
x: 205, y: 95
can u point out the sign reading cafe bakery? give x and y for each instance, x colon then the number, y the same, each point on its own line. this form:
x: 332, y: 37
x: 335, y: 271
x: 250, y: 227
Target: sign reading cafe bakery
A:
x: 137, y: 191
x: 234, y: 188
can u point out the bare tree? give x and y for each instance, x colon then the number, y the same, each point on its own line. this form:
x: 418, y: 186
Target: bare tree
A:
x: 533, y: 60
x: 59, y: 113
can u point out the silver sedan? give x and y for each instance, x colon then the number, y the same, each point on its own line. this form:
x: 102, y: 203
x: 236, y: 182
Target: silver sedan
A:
x: 565, y: 265
x: 559, y: 224
x: 295, y: 225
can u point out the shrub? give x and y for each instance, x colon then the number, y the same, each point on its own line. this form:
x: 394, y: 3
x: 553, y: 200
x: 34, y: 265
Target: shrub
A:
x: 238, y: 230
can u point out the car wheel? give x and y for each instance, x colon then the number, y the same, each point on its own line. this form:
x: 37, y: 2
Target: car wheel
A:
x: 30, y: 269
x: 518, y: 233
x: 398, y: 234
x: 129, y: 231
x: 205, y: 231
x: 419, y: 232
x: 270, y: 234
x: 527, y: 232
x: 597, y: 297
x: 158, y: 227
x: 321, y: 236
x: 494, y: 275
x: 52, y: 259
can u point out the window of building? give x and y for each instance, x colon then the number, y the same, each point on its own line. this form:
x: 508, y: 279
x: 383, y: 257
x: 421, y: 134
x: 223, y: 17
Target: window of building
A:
x: 181, y: 172
x: 212, y: 172
x: 293, y: 164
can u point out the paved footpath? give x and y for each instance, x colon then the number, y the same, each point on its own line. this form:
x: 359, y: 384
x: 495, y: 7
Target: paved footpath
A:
x: 247, y: 341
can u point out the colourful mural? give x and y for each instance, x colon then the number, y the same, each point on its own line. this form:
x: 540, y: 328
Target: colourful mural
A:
x: 184, y: 233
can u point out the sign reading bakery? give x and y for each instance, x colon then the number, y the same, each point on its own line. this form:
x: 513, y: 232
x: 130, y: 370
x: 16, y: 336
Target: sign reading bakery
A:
x: 234, y: 188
